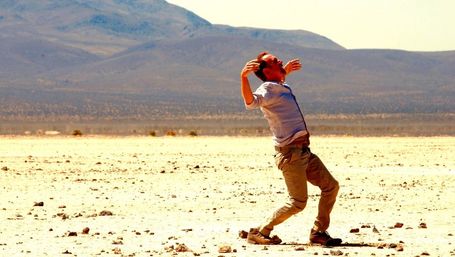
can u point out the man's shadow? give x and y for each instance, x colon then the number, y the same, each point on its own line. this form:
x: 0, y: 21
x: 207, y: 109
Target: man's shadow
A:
x: 346, y: 244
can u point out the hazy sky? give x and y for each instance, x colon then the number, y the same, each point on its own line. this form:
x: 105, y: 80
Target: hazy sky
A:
x: 415, y: 25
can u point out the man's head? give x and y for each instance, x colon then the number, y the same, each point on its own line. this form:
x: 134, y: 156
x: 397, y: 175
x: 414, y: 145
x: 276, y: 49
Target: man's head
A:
x: 270, y: 68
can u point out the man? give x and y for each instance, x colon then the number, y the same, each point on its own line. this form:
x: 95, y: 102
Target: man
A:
x: 293, y: 156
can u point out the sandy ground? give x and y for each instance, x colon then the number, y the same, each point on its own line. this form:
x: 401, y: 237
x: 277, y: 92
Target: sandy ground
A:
x: 145, y: 196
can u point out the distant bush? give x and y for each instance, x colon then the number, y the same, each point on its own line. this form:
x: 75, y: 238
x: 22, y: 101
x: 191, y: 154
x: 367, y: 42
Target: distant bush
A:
x: 152, y: 133
x: 193, y: 133
x: 77, y: 133
x: 171, y: 133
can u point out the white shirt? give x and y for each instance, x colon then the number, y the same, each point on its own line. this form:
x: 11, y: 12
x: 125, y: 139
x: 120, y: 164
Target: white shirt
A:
x: 281, y: 110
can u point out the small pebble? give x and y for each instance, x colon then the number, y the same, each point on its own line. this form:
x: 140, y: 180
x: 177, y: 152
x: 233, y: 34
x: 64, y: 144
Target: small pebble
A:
x: 85, y: 230
x: 224, y: 249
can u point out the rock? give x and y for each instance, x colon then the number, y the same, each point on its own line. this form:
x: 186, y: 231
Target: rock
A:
x: 67, y: 252
x: 243, y: 234
x: 105, y: 213
x: 39, y: 204
x: 336, y: 252
x: 423, y: 225
x: 117, y: 250
x: 85, y: 230
x: 224, y: 249
x: 4, y: 168
x: 117, y: 242
x: 299, y: 248
x: 64, y: 216
x: 354, y: 230
x: 72, y: 233
x: 182, y: 248
x: 398, y: 225
x: 375, y: 230
x: 393, y: 245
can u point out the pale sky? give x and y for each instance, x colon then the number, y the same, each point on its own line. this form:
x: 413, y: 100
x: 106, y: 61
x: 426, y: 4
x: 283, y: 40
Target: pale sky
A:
x: 414, y: 25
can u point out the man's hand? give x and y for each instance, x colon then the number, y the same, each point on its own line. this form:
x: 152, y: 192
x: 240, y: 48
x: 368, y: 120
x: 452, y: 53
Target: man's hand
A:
x: 250, y: 66
x: 247, y: 95
x: 292, y: 65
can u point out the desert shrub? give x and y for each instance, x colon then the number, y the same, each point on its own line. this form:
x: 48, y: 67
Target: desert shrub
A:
x: 193, y: 133
x: 152, y: 133
x: 77, y: 133
x: 171, y: 133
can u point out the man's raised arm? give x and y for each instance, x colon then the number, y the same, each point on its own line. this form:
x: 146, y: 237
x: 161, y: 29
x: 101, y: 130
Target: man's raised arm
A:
x: 247, y: 94
x: 292, y: 65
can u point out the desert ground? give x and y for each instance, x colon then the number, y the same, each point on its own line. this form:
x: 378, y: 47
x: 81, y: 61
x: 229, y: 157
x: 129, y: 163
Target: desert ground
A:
x: 191, y: 196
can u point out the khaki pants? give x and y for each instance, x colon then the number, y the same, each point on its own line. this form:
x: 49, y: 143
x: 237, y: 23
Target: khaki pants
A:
x: 299, y: 166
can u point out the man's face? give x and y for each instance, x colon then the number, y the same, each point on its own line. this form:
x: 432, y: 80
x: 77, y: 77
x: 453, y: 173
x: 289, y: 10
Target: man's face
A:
x: 274, y: 69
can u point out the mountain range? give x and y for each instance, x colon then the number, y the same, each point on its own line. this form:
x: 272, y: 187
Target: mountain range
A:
x: 137, y: 59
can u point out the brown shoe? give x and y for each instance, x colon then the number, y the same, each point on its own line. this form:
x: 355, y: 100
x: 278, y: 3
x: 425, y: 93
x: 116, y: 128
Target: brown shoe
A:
x: 323, y: 238
x: 255, y: 237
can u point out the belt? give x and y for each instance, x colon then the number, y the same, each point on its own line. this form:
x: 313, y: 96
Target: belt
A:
x: 292, y: 146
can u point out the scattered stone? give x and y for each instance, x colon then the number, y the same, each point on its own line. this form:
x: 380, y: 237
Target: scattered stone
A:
x: 425, y: 254
x: 299, y: 248
x: 224, y: 249
x: 354, y: 230
x: 118, y: 241
x: 399, y: 248
x: 117, y: 250
x: 375, y: 230
x: 182, y: 248
x: 243, y: 234
x: 105, y: 213
x: 336, y: 252
x: 196, y: 167
x: 85, y: 230
x: 5, y: 168
x: 169, y: 248
x: 423, y: 225
x: 393, y: 245
x: 62, y: 215
x: 366, y: 226
x: 72, y: 233
x: 67, y: 252
x: 398, y: 225
x: 39, y: 204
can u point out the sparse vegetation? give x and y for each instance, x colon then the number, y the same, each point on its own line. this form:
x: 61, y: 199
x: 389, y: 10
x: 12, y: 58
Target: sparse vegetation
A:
x: 152, y: 133
x: 77, y: 133
x: 193, y: 133
x: 171, y: 133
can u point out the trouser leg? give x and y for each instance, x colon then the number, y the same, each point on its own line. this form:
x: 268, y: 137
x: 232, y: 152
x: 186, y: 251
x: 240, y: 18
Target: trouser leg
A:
x: 318, y: 175
x: 294, y: 174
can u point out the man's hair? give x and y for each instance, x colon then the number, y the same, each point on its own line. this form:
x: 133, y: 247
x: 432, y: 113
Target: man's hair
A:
x: 262, y: 64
